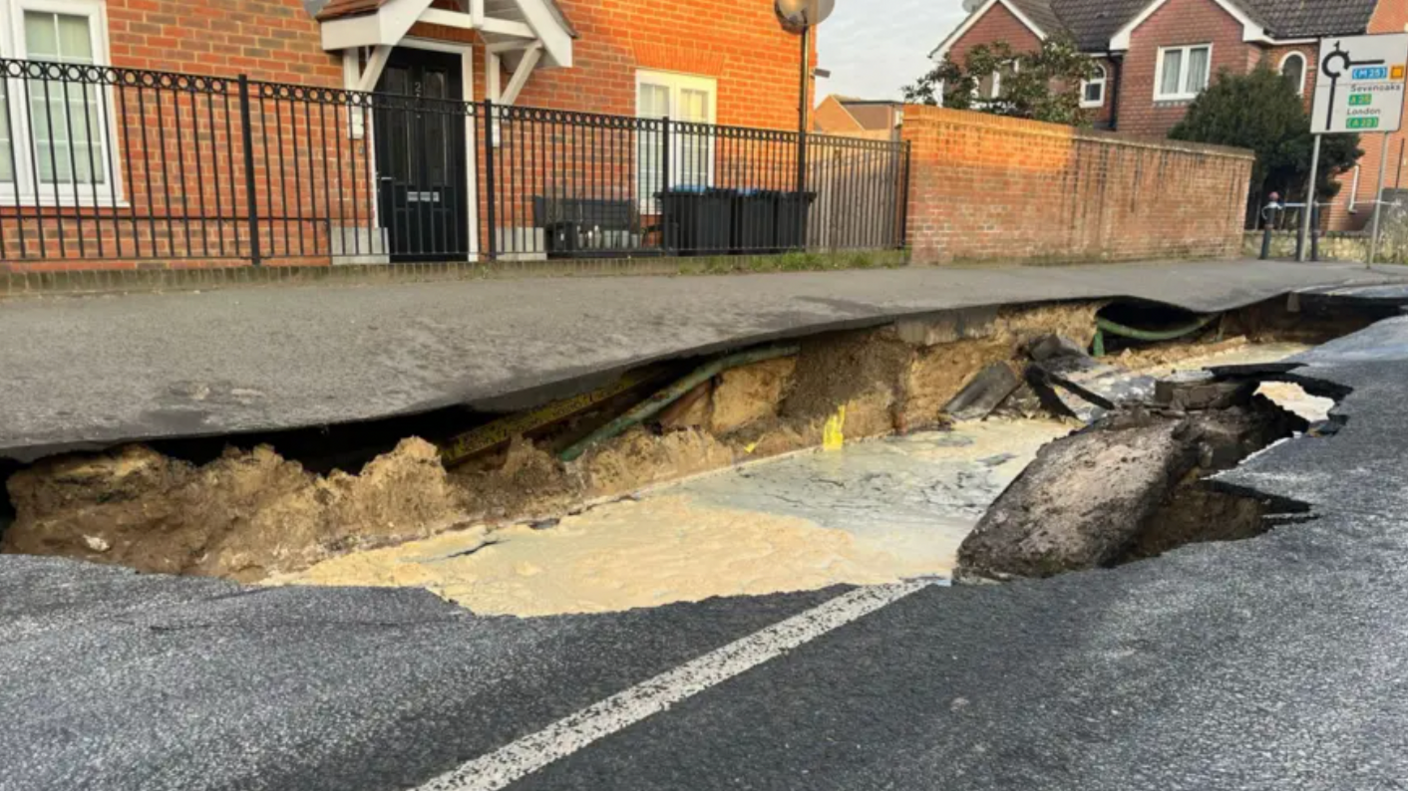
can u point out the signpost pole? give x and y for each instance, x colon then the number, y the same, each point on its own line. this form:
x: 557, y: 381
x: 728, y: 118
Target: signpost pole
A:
x: 1378, y: 204
x: 1309, y: 209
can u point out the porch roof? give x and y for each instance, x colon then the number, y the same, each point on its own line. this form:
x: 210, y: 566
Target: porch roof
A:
x: 504, y: 25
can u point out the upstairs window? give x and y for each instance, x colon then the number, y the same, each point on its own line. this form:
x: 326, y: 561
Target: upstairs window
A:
x: 1182, y: 72
x: 1293, y: 69
x: 1092, y: 91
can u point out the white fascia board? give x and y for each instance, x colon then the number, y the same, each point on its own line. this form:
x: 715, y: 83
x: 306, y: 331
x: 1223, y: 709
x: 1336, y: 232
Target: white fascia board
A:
x: 388, y: 25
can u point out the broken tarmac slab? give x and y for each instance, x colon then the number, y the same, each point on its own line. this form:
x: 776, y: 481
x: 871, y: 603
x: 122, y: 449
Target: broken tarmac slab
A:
x: 98, y: 371
x: 1078, y: 504
x: 1090, y: 498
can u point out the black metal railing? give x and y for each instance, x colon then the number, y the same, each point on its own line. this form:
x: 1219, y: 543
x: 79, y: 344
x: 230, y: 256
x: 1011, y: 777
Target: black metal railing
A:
x: 123, y: 165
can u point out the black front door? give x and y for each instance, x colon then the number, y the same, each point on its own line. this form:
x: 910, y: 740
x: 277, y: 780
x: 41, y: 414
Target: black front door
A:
x: 420, y: 155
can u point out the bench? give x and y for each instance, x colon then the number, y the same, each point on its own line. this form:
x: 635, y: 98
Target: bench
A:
x: 588, y: 227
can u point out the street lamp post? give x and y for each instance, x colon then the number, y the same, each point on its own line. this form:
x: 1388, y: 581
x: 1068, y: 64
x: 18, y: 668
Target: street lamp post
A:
x: 801, y: 16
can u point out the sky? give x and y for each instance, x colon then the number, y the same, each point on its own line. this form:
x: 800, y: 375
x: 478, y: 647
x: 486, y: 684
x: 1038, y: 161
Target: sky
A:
x: 875, y: 47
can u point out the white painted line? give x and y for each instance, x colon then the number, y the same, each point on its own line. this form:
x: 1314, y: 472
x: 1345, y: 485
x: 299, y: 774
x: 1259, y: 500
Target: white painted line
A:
x: 568, y: 735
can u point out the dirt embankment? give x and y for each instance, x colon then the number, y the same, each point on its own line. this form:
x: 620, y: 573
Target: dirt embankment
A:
x: 253, y: 513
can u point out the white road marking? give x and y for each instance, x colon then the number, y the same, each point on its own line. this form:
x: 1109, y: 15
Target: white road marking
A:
x: 496, y: 770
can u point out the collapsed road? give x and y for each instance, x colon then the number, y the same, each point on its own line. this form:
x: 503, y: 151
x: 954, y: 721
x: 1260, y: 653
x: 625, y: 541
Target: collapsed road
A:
x: 1268, y: 663
x: 149, y: 366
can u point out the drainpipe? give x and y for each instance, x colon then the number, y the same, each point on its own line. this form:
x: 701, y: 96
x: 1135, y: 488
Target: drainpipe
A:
x: 1117, y: 67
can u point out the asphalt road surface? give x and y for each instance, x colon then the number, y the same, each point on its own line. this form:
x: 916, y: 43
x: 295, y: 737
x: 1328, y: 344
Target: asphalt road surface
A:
x: 1273, y: 663
x: 94, y: 371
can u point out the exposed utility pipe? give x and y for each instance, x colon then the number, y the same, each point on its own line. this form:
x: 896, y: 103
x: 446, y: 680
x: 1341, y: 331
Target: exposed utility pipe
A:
x: 1103, y: 326
x: 653, y: 405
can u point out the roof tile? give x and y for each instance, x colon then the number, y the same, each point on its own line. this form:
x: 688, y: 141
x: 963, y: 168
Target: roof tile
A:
x: 1092, y: 23
x: 337, y: 9
x: 1306, y: 18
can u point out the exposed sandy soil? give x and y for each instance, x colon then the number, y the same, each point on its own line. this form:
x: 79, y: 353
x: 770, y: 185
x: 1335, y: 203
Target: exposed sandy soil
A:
x: 241, y: 516
x: 620, y: 556
x: 1171, y: 358
x: 873, y: 512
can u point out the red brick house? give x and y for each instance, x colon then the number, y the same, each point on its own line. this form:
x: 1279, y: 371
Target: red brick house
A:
x: 872, y: 119
x: 733, y: 66
x: 1155, y: 56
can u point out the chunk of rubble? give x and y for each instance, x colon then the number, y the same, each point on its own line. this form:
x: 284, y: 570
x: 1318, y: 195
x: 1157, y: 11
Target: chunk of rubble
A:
x: 1196, y: 390
x: 984, y: 393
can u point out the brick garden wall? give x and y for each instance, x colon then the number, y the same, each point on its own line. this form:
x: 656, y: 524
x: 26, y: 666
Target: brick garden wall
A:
x: 986, y: 188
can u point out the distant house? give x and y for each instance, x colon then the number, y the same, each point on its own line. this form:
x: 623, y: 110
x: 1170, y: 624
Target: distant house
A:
x: 874, y: 119
x: 1155, y: 56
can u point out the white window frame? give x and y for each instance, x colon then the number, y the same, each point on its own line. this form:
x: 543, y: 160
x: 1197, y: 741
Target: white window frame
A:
x: 1304, y: 64
x: 1102, y: 81
x: 26, y: 189
x: 1182, y: 94
x: 676, y: 82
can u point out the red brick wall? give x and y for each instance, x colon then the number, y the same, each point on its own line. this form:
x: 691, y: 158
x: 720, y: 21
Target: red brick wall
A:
x: 984, y: 187
x: 738, y: 42
x: 272, y: 40
x: 998, y: 24
x: 1176, y: 23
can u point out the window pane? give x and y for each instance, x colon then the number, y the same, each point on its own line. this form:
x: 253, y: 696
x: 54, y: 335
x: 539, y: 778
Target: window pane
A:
x: 1197, y: 70
x: 41, y: 35
x: 75, y: 40
x: 7, y: 160
x: 1173, y: 70
x: 987, y: 86
x: 1293, y: 69
x: 1094, y: 92
x: 68, y: 145
x: 694, y: 106
x: 65, y: 117
x: 653, y: 102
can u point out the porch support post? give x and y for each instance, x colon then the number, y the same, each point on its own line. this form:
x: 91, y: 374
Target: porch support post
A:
x: 521, y: 75
x: 376, y: 64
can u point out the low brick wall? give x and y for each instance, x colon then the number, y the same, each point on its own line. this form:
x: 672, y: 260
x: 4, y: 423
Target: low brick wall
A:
x: 1334, y: 246
x: 988, y: 188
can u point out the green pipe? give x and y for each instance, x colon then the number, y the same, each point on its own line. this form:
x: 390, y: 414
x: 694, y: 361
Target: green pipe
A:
x: 1105, y: 325
x: 653, y: 405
